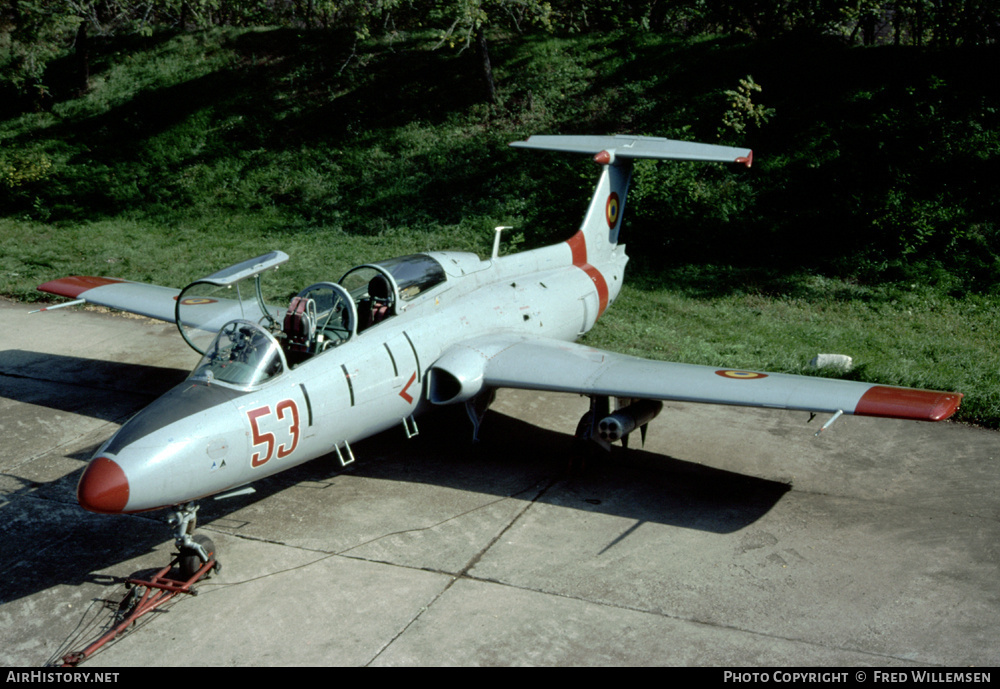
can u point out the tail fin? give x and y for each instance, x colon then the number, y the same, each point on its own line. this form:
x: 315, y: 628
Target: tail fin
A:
x: 603, y: 219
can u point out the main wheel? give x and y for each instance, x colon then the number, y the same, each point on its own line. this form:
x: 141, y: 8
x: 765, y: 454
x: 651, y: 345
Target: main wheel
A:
x: 190, y: 562
x: 584, y: 427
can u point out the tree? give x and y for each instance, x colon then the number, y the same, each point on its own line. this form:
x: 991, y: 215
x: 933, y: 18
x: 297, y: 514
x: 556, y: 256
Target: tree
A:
x: 469, y: 20
x: 31, y: 36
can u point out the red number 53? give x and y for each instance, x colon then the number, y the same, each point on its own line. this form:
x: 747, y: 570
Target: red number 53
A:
x: 286, y: 411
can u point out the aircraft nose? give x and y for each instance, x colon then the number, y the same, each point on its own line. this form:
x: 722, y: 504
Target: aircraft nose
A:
x: 103, y: 487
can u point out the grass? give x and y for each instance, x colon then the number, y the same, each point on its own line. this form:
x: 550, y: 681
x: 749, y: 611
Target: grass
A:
x: 909, y: 336
x: 867, y: 225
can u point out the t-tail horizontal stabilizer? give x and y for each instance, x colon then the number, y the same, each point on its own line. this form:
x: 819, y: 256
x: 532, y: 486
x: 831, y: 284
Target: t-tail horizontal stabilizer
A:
x: 607, y: 149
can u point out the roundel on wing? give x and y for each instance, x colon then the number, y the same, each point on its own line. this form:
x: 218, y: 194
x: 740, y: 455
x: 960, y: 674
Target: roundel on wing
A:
x: 740, y: 375
x: 197, y: 301
x: 612, y: 209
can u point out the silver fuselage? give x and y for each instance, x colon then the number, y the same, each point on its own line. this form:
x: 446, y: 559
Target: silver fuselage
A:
x: 200, y: 438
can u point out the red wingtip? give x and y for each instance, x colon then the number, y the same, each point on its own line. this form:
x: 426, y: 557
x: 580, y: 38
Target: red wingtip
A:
x: 906, y: 403
x: 76, y: 285
x: 746, y: 160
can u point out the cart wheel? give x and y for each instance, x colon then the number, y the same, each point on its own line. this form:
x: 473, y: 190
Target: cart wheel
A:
x: 189, y: 561
x: 128, y: 603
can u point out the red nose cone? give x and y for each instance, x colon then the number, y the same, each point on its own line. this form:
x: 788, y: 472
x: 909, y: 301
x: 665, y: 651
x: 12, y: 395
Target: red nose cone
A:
x: 103, y: 487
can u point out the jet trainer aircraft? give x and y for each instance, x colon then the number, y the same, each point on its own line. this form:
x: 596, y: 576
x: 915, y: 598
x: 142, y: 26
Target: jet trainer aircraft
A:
x: 279, y: 385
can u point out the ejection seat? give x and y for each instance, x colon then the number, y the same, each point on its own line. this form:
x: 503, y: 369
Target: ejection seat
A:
x: 322, y: 316
x: 300, y: 329
x: 379, y: 301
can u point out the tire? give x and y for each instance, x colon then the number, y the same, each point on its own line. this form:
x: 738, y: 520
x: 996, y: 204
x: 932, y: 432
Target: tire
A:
x: 189, y: 561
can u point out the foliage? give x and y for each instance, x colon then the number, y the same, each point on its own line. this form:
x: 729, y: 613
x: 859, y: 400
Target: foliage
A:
x: 880, y: 157
x: 31, y: 36
x: 22, y: 168
x: 742, y: 111
x: 35, y: 34
x: 460, y: 20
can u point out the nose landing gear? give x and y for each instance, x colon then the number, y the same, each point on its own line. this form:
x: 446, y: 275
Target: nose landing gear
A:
x: 194, y: 550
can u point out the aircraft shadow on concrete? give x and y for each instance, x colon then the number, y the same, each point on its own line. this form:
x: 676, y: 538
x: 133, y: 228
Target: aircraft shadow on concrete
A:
x: 54, y: 542
x: 30, y: 377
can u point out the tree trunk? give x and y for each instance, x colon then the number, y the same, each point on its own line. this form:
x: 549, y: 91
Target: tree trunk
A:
x: 484, y: 56
x: 82, y: 59
x: 868, y: 28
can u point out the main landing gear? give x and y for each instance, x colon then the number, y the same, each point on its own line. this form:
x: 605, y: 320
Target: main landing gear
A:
x: 601, y: 426
x: 194, y: 561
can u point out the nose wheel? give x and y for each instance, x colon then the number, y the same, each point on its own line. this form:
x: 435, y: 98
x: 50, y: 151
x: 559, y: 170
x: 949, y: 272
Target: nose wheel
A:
x: 195, y: 550
x: 190, y: 559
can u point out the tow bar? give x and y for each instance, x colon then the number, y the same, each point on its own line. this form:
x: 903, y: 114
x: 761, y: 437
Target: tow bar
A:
x: 146, y: 596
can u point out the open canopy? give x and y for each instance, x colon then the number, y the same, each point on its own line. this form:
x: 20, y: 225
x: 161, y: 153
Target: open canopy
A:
x: 205, y: 305
x: 242, y: 355
x: 321, y: 316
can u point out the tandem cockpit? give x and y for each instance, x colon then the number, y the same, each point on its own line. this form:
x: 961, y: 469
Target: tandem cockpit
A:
x: 246, y: 341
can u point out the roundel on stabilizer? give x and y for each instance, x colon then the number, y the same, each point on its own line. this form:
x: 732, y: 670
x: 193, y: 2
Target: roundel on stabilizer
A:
x: 612, y: 209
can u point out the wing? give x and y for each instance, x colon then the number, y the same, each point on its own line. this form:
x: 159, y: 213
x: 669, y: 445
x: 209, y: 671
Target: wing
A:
x: 539, y: 364
x: 152, y: 301
x: 202, y: 312
x: 204, y: 305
